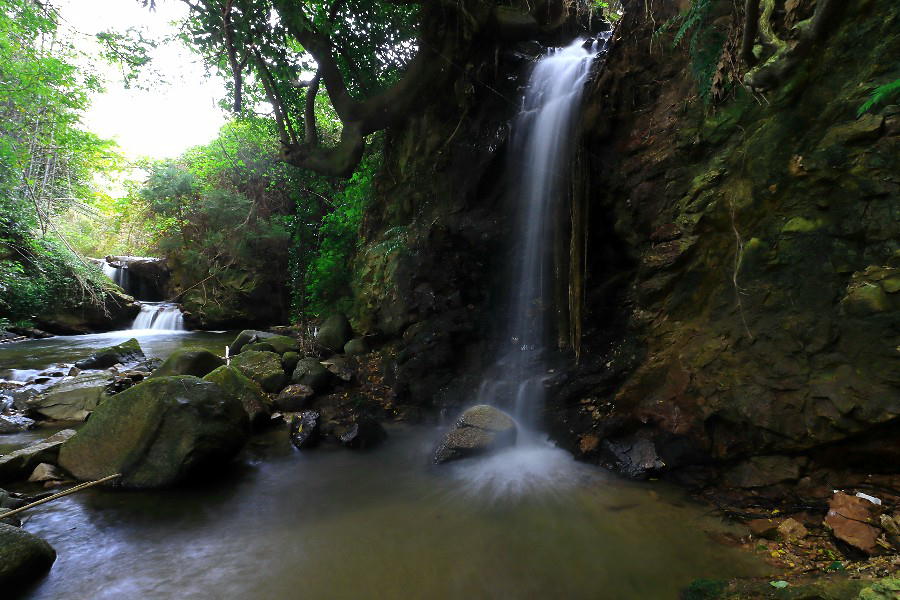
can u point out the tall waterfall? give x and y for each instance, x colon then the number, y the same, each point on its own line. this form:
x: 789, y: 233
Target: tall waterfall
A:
x: 542, y: 137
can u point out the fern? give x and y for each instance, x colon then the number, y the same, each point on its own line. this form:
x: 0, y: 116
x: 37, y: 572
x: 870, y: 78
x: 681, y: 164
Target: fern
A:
x: 705, y: 45
x: 880, y: 94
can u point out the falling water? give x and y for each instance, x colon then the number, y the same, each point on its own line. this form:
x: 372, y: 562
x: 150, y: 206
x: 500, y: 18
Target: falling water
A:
x: 119, y: 275
x: 162, y: 316
x: 542, y: 137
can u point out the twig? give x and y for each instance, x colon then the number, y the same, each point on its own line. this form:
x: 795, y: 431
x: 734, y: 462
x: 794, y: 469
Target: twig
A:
x: 72, y: 490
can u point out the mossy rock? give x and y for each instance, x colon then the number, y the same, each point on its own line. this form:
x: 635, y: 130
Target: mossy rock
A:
x: 71, y: 399
x: 24, y: 558
x: 189, y: 361
x: 258, y: 347
x: 309, y: 371
x: 335, y: 332
x: 262, y: 367
x: 356, y: 347
x: 289, y: 361
x: 158, y: 433
x: 283, y: 343
x: 248, y: 336
x: 126, y: 352
x: 252, y: 398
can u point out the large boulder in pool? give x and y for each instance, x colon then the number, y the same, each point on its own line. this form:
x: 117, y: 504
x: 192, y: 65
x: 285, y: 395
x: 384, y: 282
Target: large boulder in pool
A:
x: 480, y: 430
x: 72, y: 399
x: 158, y: 433
x: 334, y: 332
x: 124, y: 353
x: 248, y: 336
x: 24, y: 558
x: 251, y: 396
x: 262, y: 367
x: 189, y: 361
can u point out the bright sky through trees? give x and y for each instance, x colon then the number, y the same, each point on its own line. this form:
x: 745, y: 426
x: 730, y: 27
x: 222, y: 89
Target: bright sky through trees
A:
x: 171, y: 115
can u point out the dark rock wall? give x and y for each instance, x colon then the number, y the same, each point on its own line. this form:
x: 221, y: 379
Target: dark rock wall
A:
x: 734, y: 285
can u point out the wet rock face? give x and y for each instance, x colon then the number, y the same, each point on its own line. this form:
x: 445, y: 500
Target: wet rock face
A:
x: 251, y: 396
x: 124, y: 353
x: 479, y: 430
x: 23, y: 557
x: 304, y: 429
x: 158, y: 433
x: 72, y: 399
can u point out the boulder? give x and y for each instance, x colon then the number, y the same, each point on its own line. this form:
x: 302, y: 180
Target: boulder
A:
x: 480, y: 430
x: 632, y: 456
x: 850, y: 520
x: 252, y: 398
x: 189, y: 361
x: 24, y: 557
x: 258, y: 347
x: 158, y: 433
x: 248, y: 336
x: 334, y: 332
x: 20, y: 463
x: 46, y: 472
x: 294, y: 397
x: 289, y: 361
x: 761, y: 471
x: 355, y: 347
x: 71, y: 399
x: 304, y: 429
x: 764, y: 528
x: 309, y: 371
x: 263, y: 368
x: 342, y: 367
x: 364, y: 431
x: 15, y: 423
x: 283, y: 343
x: 124, y: 353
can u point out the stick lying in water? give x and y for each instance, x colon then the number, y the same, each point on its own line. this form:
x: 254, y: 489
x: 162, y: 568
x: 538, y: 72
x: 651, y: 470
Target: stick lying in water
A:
x: 72, y: 490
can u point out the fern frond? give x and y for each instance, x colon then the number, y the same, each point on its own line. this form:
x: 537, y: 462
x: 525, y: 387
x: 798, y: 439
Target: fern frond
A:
x: 880, y: 94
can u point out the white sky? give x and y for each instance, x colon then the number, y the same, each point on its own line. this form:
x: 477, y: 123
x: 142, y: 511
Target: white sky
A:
x: 168, y: 118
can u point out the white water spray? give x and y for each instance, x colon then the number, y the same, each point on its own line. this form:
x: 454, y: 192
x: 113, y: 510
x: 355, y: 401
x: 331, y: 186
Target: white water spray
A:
x: 162, y: 316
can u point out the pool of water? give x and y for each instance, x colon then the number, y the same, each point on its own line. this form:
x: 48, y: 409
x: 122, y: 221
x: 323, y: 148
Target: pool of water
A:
x: 381, y: 524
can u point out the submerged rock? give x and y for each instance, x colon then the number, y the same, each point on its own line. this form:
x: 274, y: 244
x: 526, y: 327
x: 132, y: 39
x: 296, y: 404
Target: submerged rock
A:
x: 334, y: 332
x: 363, y: 432
x: 71, y: 399
x: 304, y: 429
x: 158, y: 433
x: 20, y: 463
x: 479, y: 430
x: 126, y: 352
x: 262, y: 367
x: 23, y: 557
x: 189, y: 361
x: 252, y: 398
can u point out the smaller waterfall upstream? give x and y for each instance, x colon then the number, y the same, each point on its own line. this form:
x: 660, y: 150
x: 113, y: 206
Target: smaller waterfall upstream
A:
x: 162, y: 316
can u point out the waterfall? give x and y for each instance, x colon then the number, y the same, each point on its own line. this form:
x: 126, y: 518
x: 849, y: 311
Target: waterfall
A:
x: 542, y: 138
x: 119, y: 275
x: 162, y: 316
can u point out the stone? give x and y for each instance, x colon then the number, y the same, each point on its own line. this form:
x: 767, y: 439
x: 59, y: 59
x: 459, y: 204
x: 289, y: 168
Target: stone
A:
x: 886, y: 589
x: 343, y: 368
x: 70, y: 399
x: 294, y: 397
x: 283, y: 343
x: 19, y: 464
x: 480, y: 430
x: 46, y: 472
x: 24, y: 557
x: 356, y: 347
x: 362, y: 433
x: 262, y: 367
x: 632, y: 456
x: 15, y: 423
x: 304, y: 429
x: 334, y: 332
x: 763, y: 528
x: 849, y: 520
x: 248, y: 336
x: 762, y: 471
x: 791, y: 529
x: 251, y: 395
x: 158, y: 433
x: 289, y: 361
x: 189, y: 361
x: 309, y: 371
x: 258, y: 347
x: 124, y: 353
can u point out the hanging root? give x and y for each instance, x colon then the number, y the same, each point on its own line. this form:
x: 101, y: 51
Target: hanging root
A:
x: 785, y: 55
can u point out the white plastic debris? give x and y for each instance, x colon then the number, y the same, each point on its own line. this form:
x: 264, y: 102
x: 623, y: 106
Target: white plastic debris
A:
x: 871, y: 499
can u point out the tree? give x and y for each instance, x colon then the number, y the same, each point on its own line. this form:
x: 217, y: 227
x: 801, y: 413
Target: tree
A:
x: 378, y: 60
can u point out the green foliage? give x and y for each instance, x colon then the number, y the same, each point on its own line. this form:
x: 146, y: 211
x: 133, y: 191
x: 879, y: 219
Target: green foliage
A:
x: 704, y: 589
x: 880, y: 95
x: 705, y: 43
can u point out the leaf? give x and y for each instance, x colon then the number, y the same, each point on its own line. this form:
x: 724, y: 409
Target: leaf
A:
x: 779, y: 584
